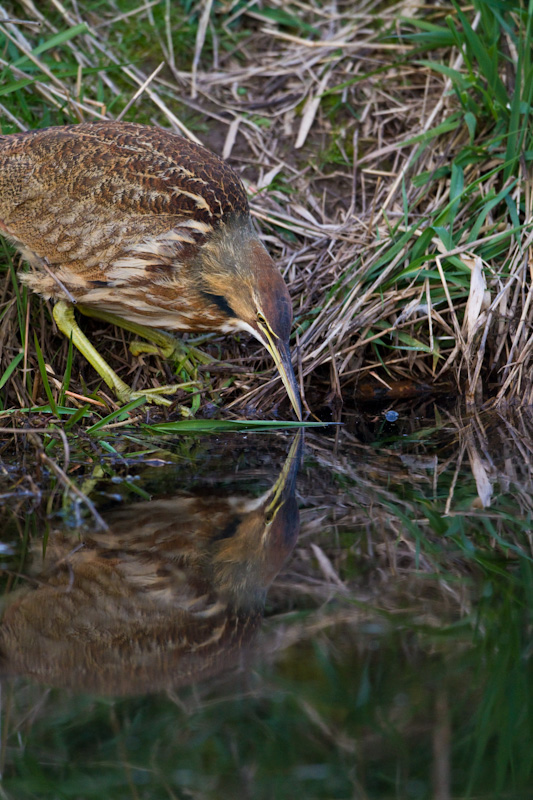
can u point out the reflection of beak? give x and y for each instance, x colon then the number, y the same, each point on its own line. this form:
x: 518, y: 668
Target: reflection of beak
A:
x: 282, y: 358
x: 281, y: 516
x: 286, y: 482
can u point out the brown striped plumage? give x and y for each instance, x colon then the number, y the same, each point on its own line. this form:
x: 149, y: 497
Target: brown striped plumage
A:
x: 142, y: 224
x: 170, y: 594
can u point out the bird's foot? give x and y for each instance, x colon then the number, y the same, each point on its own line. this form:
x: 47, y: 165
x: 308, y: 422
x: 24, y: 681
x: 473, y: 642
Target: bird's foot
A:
x: 64, y: 317
x: 166, y: 351
x: 158, y: 342
x: 184, y: 357
x: 155, y: 396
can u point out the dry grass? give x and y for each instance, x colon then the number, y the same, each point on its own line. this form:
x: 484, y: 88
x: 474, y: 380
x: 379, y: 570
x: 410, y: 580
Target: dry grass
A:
x: 388, y: 171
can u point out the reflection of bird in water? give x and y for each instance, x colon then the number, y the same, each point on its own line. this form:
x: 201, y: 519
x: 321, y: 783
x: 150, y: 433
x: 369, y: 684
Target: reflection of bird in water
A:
x: 169, y: 595
x: 140, y: 227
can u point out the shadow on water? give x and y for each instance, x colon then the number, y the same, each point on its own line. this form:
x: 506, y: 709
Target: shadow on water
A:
x: 196, y: 649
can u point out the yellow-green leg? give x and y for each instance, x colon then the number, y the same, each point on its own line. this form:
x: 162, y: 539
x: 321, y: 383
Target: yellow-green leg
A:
x: 161, y: 343
x: 66, y: 322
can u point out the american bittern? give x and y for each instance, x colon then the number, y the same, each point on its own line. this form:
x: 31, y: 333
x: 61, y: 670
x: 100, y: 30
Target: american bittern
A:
x: 140, y: 227
x: 171, y: 594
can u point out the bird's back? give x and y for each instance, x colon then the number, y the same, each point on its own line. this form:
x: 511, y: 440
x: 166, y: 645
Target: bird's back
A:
x: 84, y: 197
x: 125, y: 167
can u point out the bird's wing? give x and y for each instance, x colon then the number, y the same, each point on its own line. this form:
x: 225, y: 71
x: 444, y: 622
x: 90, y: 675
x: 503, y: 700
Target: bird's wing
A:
x: 85, y: 195
x: 124, y: 168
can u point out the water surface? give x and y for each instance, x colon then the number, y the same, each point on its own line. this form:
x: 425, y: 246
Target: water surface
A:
x: 252, y: 616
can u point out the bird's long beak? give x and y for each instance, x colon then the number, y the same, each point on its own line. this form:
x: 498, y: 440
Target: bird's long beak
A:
x: 281, y: 354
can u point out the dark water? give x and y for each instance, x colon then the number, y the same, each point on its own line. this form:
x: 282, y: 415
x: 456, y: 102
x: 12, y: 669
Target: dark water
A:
x: 258, y: 616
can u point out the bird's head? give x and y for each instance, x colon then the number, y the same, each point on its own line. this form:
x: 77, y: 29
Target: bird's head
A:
x: 238, y: 276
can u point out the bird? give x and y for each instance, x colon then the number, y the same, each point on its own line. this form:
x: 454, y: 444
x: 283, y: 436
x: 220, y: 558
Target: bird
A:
x: 170, y: 594
x: 139, y: 226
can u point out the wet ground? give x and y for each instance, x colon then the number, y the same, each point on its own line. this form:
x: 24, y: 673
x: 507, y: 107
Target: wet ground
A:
x: 341, y: 615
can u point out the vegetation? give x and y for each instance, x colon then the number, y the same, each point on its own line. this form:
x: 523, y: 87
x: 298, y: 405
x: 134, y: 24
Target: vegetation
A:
x: 386, y: 148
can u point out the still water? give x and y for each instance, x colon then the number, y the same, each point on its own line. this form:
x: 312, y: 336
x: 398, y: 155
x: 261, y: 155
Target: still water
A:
x: 341, y: 615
